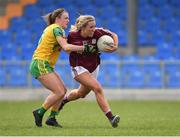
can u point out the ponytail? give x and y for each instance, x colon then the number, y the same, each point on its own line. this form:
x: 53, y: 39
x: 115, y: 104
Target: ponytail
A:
x: 48, y: 19
x: 51, y: 17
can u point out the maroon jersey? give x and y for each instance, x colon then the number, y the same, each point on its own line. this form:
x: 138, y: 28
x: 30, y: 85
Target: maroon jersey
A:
x: 90, y: 61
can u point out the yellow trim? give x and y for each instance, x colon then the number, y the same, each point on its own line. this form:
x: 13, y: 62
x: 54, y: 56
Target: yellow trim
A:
x: 38, y: 67
x: 42, y: 67
x: 41, y: 70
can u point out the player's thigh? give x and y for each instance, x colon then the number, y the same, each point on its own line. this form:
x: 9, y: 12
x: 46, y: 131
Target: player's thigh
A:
x: 88, y: 80
x: 51, y: 82
x: 57, y: 75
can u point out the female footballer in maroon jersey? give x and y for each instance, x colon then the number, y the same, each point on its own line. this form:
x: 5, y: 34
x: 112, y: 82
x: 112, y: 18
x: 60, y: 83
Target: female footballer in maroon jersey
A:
x: 85, y: 66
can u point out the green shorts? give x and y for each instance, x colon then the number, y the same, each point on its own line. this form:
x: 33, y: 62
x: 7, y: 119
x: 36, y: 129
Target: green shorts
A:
x: 40, y: 67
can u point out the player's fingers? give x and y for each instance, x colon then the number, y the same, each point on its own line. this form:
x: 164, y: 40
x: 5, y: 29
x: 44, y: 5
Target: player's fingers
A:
x: 108, y: 49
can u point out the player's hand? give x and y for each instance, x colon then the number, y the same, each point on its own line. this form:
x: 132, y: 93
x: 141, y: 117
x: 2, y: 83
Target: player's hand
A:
x: 89, y: 48
x: 110, y: 48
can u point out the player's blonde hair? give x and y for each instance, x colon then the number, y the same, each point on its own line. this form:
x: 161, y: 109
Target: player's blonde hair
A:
x: 81, y: 22
x: 51, y: 17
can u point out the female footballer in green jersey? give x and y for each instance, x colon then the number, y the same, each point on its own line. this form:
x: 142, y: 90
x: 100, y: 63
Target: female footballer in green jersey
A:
x: 44, y: 59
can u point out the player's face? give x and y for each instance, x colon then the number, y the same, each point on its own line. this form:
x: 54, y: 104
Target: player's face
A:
x: 90, y: 28
x: 64, y: 20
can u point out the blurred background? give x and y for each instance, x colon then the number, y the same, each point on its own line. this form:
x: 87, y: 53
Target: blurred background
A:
x: 149, y: 43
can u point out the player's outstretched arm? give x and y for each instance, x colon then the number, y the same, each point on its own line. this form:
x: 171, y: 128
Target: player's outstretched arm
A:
x: 70, y: 47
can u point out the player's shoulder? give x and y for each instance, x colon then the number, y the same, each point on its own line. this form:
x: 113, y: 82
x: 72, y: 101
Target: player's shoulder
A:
x: 56, y: 26
x: 102, y: 30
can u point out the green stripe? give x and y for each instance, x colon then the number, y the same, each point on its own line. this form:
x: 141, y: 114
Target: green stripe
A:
x: 57, y: 32
x: 34, y: 69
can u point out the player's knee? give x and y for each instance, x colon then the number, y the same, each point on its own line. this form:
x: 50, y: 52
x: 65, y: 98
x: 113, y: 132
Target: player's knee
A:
x: 81, y: 95
x: 61, y: 93
x: 97, y: 88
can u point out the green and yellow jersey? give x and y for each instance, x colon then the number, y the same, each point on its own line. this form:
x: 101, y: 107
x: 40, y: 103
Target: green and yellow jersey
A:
x: 48, y: 48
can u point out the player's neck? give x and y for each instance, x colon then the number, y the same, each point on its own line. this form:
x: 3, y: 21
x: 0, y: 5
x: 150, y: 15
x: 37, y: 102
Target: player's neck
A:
x: 83, y: 34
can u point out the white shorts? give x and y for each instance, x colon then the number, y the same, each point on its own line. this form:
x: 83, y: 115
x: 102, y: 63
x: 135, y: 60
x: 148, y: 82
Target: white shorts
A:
x: 79, y: 70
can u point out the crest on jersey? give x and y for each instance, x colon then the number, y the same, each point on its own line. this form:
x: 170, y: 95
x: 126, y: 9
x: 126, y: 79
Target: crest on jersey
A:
x: 85, y: 42
x: 93, y: 41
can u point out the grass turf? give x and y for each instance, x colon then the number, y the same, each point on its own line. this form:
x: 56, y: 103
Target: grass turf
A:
x: 84, y: 118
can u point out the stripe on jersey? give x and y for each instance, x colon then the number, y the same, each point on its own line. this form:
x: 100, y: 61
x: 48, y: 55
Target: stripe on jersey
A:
x: 57, y: 32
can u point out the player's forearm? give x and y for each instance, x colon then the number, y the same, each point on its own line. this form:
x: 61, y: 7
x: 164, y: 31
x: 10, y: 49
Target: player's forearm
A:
x: 70, y: 47
x: 115, y: 38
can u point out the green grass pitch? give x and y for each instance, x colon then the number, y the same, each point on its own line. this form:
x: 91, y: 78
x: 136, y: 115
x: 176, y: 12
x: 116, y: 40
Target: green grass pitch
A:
x: 84, y: 118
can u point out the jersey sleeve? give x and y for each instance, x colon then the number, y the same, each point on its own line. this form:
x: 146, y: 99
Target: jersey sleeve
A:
x: 58, y: 32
